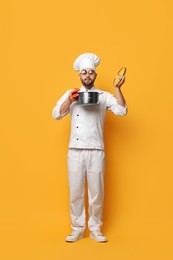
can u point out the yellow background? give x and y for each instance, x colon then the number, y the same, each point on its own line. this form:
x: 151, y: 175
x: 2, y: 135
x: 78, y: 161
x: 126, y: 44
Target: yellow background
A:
x: 39, y: 42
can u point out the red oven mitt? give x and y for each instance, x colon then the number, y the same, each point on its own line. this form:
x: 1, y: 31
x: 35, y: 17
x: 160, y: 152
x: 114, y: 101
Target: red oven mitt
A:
x: 73, y: 94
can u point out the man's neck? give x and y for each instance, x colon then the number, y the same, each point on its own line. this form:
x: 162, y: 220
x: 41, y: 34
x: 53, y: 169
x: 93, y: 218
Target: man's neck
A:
x: 88, y: 87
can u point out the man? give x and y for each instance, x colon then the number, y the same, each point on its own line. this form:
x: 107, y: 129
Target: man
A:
x: 86, y: 147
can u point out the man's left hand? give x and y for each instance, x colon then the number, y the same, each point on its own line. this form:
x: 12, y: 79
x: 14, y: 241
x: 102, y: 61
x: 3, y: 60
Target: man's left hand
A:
x: 120, y: 82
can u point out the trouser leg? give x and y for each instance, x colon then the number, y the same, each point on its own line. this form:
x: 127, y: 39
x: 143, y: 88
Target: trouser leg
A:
x: 95, y: 178
x: 76, y: 178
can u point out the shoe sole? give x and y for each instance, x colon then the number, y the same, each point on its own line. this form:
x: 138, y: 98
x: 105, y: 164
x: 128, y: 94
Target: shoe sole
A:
x: 72, y: 241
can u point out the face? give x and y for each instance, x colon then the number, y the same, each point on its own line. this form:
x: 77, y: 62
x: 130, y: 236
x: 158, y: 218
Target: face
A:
x: 87, y: 77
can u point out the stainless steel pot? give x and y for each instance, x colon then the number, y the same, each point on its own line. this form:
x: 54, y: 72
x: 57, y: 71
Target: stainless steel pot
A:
x: 88, y: 98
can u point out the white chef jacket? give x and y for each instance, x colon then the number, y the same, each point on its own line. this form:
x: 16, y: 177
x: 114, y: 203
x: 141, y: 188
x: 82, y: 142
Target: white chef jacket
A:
x: 87, y: 122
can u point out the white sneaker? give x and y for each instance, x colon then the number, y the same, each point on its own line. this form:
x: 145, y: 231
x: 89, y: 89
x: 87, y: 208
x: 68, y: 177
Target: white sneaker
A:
x: 74, y: 236
x: 98, y: 236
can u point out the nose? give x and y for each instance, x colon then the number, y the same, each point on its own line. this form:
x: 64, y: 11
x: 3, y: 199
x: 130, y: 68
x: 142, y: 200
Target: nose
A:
x: 87, y: 74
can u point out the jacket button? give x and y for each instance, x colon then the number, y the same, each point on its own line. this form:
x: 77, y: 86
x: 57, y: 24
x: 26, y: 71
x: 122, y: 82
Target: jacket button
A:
x: 77, y: 115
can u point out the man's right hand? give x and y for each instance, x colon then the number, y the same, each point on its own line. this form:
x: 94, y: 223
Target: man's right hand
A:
x: 73, y: 94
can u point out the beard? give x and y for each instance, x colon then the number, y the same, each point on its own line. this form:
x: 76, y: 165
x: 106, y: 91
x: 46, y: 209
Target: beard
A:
x: 88, y: 82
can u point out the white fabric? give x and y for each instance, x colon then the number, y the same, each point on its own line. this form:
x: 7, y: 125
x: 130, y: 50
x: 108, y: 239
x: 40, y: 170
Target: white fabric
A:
x: 86, y: 60
x: 86, y: 165
x: 86, y: 156
x: 87, y: 122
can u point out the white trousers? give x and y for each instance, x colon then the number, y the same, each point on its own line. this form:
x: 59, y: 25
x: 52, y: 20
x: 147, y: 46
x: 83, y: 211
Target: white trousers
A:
x: 86, y: 165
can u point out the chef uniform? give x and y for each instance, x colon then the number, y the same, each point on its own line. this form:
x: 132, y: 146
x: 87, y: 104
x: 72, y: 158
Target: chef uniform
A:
x: 86, y: 149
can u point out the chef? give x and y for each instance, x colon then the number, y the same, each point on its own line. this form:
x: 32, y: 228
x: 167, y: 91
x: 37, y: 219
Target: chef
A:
x: 86, y: 158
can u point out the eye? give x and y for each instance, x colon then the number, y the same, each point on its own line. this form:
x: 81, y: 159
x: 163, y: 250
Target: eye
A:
x: 83, y: 72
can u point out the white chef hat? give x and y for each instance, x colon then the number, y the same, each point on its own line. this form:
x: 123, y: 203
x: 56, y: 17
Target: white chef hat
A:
x: 86, y: 60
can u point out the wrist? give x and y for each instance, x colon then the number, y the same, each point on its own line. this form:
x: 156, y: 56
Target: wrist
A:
x: 70, y: 99
x: 117, y: 88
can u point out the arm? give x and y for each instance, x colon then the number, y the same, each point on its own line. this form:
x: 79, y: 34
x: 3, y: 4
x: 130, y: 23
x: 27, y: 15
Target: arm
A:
x: 65, y: 105
x: 120, y: 98
x: 70, y: 99
x: 62, y: 106
x: 117, y: 105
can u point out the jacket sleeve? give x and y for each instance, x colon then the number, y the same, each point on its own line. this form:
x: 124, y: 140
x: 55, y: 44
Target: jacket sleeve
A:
x: 114, y: 107
x: 56, y: 110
